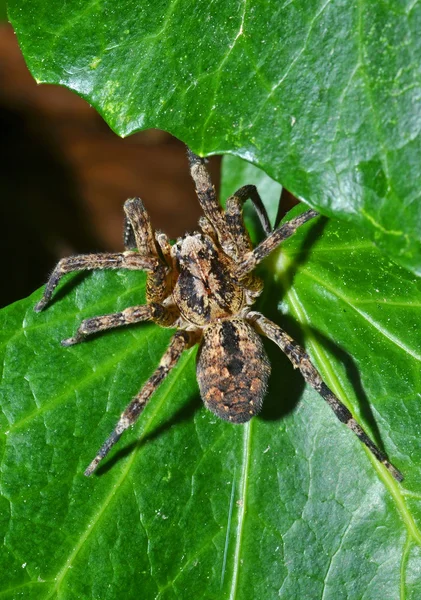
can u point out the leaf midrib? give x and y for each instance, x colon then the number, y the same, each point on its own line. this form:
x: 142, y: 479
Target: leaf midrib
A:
x: 242, y: 508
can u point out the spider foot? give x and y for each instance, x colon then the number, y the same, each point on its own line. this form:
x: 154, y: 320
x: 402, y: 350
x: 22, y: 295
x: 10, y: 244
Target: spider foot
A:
x: 396, y: 474
x: 70, y: 341
x: 93, y: 465
x: 40, y: 305
x: 109, y: 443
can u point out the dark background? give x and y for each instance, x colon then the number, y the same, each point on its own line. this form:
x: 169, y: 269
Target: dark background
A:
x: 64, y: 176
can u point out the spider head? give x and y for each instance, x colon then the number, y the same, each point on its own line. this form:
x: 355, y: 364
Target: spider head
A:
x: 195, y: 252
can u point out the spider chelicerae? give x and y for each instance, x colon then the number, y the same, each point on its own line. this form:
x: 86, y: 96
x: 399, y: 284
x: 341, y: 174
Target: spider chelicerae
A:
x: 204, y: 286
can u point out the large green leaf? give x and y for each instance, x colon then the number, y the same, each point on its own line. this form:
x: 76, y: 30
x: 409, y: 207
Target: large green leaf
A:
x: 3, y: 11
x: 324, y: 96
x: 290, y: 506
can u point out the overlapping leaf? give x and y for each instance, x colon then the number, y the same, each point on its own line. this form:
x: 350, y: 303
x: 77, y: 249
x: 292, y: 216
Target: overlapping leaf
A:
x: 290, y: 506
x: 324, y: 96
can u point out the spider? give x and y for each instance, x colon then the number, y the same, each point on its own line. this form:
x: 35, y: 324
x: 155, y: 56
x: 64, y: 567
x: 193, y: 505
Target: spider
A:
x: 204, y: 286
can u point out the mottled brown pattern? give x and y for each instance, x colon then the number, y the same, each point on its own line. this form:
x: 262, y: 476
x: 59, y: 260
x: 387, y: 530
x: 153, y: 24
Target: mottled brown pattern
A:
x: 204, y: 290
x: 235, y: 222
x: 138, y: 229
x: 232, y: 370
x: 204, y: 286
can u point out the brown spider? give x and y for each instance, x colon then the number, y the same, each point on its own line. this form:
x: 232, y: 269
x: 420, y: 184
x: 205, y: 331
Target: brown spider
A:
x: 203, y: 285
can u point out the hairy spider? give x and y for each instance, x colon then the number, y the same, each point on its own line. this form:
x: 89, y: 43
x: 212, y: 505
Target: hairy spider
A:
x: 204, y: 286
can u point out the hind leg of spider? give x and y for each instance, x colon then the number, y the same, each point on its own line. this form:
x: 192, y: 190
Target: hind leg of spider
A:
x: 179, y: 342
x: 134, y: 314
x: 301, y: 361
x: 83, y: 262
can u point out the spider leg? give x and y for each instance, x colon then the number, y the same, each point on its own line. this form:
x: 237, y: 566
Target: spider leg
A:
x: 253, y: 258
x: 134, y: 314
x: 207, y: 228
x: 170, y: 358
x: 164, y: 246
x: 119, y: 260
x: 207, y: 196
x: 129, y: 239
x: 138, y: 228
x: 234, y: 218
x: 228, y: 225
x: 138, y: 232
x: 301, y: 361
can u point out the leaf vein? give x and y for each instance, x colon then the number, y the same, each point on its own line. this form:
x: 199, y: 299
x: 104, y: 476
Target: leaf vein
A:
x: 246, y: 453
x: 116, y: 489
x: 382, y: 330
x: 395, y: 489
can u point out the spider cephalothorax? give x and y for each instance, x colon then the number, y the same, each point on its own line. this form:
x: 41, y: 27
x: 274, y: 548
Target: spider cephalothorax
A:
x: 204, y: 287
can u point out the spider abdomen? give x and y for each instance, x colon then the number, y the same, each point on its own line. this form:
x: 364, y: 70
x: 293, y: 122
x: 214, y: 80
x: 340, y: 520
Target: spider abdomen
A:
x: 232, y: 370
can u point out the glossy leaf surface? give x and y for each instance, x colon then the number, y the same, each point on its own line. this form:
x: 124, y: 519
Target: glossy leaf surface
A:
x: 289, y: 506
x: 324, y: 96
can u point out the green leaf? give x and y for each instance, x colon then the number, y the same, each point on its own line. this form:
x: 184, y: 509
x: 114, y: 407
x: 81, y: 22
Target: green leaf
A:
x: 324, y: 96
x: 235, y: 173
x: 3, y: 11
x: 187, y: 506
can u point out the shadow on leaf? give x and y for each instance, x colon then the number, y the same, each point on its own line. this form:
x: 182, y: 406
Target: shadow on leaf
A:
x: 185, y: 413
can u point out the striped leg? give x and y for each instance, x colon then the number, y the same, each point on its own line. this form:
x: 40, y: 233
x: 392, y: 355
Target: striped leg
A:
x: 138, y: 233
x: 234, y: 216
x: 119, y: 260
x: 301, y: 361
x: 169, y: 360
x: 229, y: 226
x: 206, y: 192
x: 134, y: 314
x: 253, y: 258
